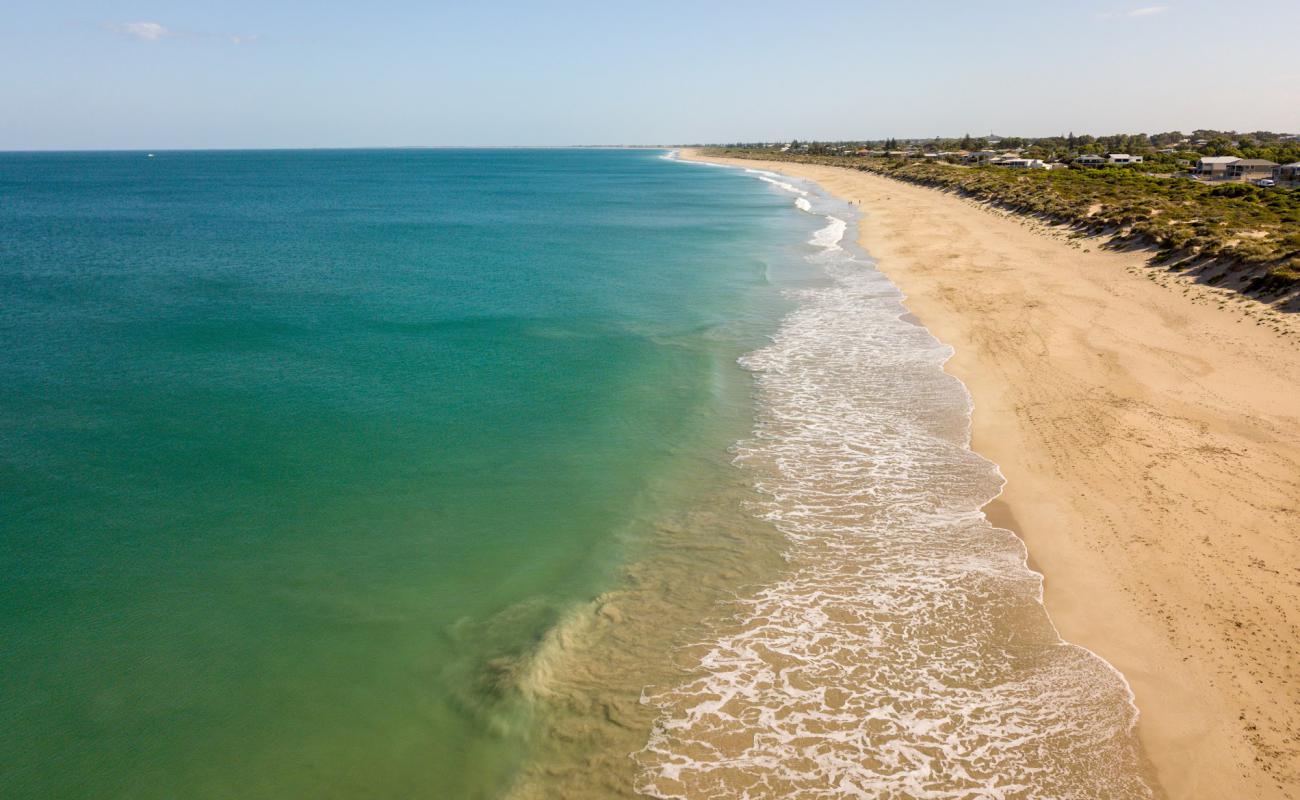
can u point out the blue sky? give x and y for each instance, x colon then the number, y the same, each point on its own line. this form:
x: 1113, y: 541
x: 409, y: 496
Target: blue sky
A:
x: 154, y: 75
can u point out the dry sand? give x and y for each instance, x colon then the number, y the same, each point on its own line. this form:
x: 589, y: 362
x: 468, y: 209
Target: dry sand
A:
x: 1149, y: 431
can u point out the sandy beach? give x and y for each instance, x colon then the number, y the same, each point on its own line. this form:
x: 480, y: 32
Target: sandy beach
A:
x: 1149, y: 432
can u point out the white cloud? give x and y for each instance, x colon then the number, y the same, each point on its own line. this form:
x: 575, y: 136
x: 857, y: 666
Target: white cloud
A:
x: 143, y: 31
x: 155, y: 31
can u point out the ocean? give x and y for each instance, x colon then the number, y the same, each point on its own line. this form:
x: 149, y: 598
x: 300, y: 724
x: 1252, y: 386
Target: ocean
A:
x: 475, y: 473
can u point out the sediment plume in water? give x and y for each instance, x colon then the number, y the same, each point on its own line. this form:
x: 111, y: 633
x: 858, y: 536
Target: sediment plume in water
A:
x: 585, y: 680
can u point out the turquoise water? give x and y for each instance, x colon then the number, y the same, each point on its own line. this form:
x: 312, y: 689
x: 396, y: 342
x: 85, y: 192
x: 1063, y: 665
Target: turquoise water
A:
x: 295, y: 446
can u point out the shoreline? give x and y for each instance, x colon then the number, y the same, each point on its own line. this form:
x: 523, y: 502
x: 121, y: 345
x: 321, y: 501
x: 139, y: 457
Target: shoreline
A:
x: 691, y: 550
x: 1149, y: 446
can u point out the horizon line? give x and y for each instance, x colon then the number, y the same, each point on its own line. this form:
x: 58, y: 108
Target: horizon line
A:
x: 352, y: 147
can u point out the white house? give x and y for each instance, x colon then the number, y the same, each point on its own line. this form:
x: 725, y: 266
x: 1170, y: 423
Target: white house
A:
x: 1090, y: 161
x: 1215, y: 166
x: 1123, y: 158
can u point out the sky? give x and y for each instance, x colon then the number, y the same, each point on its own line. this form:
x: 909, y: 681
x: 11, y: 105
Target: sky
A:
x: 112, y: 74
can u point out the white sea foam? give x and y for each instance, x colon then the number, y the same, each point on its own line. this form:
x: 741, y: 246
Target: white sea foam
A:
x: 802, y: 204
x: 906, y: 654
x: 775, y: 179
x: 830, y: 236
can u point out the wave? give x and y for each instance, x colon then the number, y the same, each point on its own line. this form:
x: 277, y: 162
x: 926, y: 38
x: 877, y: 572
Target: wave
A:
x: 906, y: 652
x: 775, y: 179
x: 829, y: 237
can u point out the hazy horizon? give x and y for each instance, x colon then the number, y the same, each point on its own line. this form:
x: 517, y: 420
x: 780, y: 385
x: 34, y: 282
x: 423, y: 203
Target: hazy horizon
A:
x: 150, y: 76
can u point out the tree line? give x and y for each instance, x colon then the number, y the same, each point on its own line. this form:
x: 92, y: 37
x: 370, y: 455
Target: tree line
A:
x: 1282, y: 148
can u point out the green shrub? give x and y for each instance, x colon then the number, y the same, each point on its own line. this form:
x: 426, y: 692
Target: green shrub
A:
x: 1235, y: 190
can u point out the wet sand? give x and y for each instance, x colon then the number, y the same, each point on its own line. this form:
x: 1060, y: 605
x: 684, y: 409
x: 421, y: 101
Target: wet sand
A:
x: 1149, y: 431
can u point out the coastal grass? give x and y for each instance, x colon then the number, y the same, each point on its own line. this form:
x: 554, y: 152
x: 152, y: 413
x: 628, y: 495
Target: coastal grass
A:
x: 1228, y: 234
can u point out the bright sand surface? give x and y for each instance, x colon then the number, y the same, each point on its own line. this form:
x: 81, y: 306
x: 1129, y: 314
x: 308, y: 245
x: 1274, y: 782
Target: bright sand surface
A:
x: 1149, y: 432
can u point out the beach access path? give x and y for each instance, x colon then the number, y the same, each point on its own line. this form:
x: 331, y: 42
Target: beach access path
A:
x: 1149, y: 432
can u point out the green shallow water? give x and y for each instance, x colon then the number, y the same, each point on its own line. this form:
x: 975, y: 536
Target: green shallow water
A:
x: 299, y: 446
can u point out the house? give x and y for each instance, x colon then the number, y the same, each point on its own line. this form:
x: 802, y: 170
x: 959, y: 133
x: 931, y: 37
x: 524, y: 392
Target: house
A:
x: 980, y: 157
x: 1090, y: 161
x: 1250, y: 169
x: 1024, y: 163
x: 1214, y: 166
x: 1287, y: 172
x: 1123, y: 158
